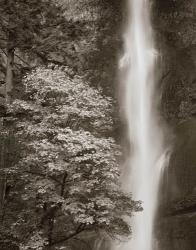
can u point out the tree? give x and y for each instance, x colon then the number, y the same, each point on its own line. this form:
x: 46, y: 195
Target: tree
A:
x: 33, y: 27
x: 68, y: 166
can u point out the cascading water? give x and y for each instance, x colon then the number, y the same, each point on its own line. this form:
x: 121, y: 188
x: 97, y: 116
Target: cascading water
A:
x: 147, y: 157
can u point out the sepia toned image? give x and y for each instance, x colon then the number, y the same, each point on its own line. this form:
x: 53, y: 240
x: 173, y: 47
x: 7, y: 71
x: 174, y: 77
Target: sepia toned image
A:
x: 97, y: 124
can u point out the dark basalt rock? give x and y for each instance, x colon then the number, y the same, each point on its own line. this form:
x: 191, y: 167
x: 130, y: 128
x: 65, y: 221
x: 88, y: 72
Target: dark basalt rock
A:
x: 174, y: 24
x: 176, y: 226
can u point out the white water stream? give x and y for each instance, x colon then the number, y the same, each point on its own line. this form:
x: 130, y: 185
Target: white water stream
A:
x: 147, y: 155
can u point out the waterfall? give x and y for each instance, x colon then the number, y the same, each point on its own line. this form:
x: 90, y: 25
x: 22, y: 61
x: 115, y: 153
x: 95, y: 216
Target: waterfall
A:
x: 147, y: 156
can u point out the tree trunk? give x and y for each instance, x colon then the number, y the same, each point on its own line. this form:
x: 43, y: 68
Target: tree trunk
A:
x: 9, y: 74
x: 2, y: 179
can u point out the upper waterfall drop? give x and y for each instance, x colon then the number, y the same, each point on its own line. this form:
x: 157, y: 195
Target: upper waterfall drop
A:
x: 147, y: 156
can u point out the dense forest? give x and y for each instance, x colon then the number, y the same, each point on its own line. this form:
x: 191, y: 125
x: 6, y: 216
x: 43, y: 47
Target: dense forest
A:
x: 59, y: 158
x: 61, y: 134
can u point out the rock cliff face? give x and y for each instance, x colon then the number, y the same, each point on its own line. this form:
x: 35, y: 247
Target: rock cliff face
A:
x: 175, y: 27
x: 177, y: 224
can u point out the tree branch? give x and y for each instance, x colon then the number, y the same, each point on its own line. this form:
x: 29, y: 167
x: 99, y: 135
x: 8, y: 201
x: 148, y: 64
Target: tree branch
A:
x: 3, y: 52
x: 22, y: 60
x: 71, y: 236
x: 17, y: 65
x: 63, y: 183
x: 43, y: 175
x: 46, y: 60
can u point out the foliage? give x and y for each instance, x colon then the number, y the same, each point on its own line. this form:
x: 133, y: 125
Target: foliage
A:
x: 69, y: 169
x: 31, y: 26
x: 80, y: 34
x: 93, y: 41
